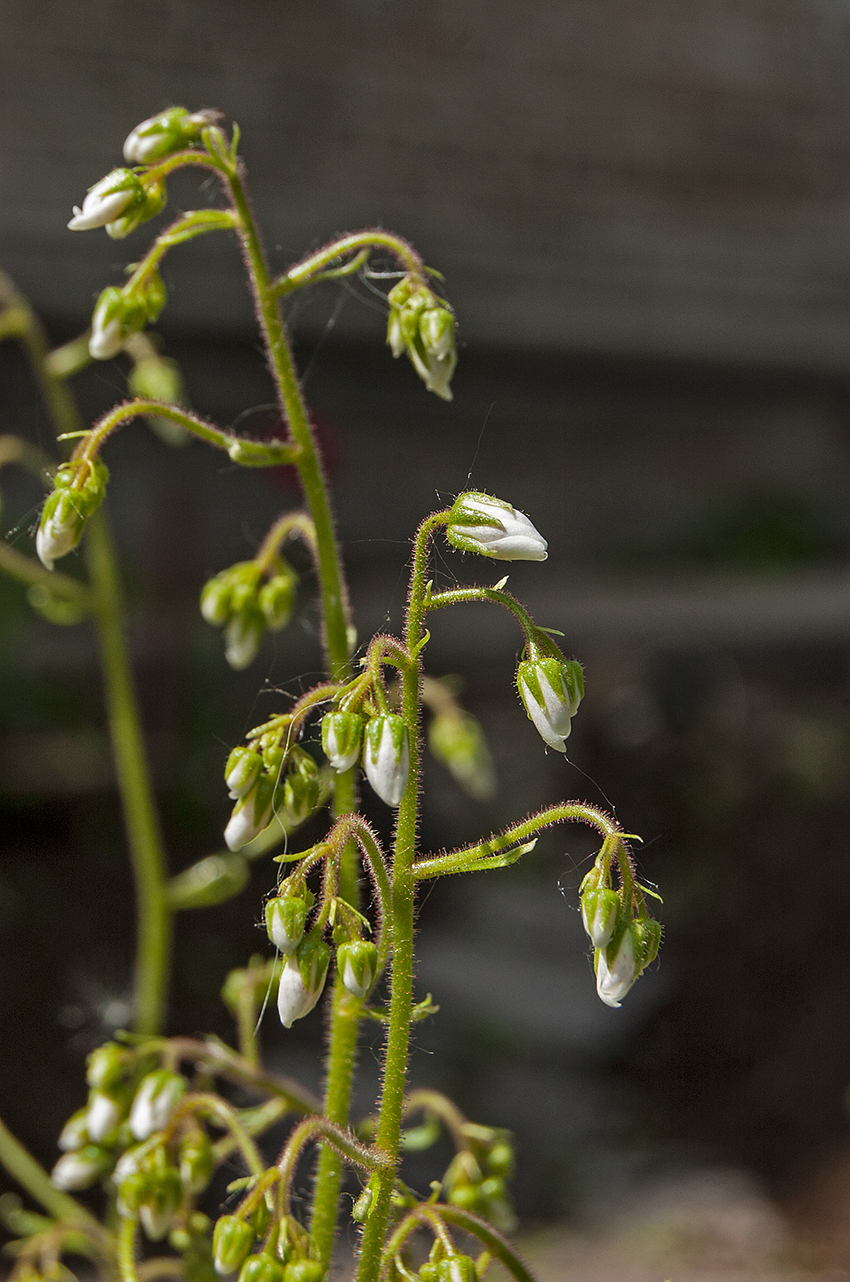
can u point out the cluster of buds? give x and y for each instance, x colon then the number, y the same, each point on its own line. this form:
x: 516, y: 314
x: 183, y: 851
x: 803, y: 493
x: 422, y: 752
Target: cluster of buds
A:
x: 551, y: 689
x: 385, y: 744
x: 120, y: 202
x: 491, y: 527
x: 422, y: 325
x: 245, y: 600
x: 477, y: 1177
x: 285, y: 1258
x: 172, y: 130
x: 78, y: 490
x: 120, y: 313
x: 457, y: 740
x: 442, y: 1265
x: 625, y: 938
x: 127, y: 1111
x: 263, y: 780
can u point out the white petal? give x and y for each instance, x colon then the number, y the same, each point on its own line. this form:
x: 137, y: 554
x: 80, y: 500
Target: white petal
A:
x: 294, y: 999
x: 102, y: 1116
x: 106, y: 340
x: 99, y: 210
x: 613, y: 983
x: 541, y: 721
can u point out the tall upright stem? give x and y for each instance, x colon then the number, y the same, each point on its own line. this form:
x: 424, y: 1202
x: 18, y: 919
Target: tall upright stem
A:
x: 403, y: 905
x: 153, y: 950
x: 345, y: 1011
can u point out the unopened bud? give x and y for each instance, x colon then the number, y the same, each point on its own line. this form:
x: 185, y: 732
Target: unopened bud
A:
x: 457, y: 740
x: 74, y: 1134
x: 232, y: 1242
x: 107, y: 1066
x: 108, y: 199
x: 285, y: 919
x: 155, y: 1101
x: 195, y: 1160
x: 616, y: 968
x: 647, y: 937
x: 342, y: 733
x: 161, y: 1202
x: 170, y: 131
x: 102, y: 1116
x: 243, y: 636
x: 600, y: 913
x: 420, y: 324
x: 242, y: 771
x: 303, y: 1271
x: 303, y: 978
x: 551, y: 690
x: 81, y: 1169
x: 261, y: 1268
x: 357, y: 962
x: 251, y: 814
x: 457, y: 1268
x: 491, y: 527
x: 277, y: 598
x: 78, y: 491
x: 386, y: 757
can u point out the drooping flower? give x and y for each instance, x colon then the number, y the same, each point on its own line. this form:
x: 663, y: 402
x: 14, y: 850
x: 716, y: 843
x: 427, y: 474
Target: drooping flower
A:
x: 551, y: 690
x: 302, y: 979
x: 616, y: 969
x: 155, y: 1101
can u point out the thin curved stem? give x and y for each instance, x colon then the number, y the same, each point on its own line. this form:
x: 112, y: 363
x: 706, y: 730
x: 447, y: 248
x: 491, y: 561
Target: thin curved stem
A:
x: 127, y: 1248
x: 225, y: 1062
x: 468, y: 858
x: 458, y: 596
x: 309, y: 268
x: 214, y: 1107
x: 26, y: 570
x: 368, y: 1157
x: 31, y: 1176
x: 284, y: 527
x: 239, y: 450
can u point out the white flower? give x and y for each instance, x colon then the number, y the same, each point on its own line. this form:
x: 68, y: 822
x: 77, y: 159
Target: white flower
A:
x: 614, y: 980
x: 102, y: 1116
x: 341, y: 736
x: 551, y: 691
x: 386, y: 757
x: 285, y: 917
x: 76, y: 1171
x: 251, y: 815
x: 302, y: 981
x: 107, y: 336
x: 59, y: 532
x: 74, y: 1133
x: 489, y: 526
x: 155, y: 1101
x: 106, y: 201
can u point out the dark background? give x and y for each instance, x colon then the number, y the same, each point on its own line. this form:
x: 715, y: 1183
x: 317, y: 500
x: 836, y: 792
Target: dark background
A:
x: 642, y: 215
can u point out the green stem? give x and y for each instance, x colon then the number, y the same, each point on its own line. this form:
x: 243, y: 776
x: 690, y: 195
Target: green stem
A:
x: 153, y: 949
x: 224, y: 1115
x: 388, y: 1135
x: 313, y: 267
x: 32, y: 572
x: 285, y: 526
x: 457, y: 596
x: 127, y: 1249
x: 23, y: 1167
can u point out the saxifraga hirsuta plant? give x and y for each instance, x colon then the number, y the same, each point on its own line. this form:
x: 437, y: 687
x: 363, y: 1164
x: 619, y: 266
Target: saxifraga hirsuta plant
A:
x: 155, y: 1128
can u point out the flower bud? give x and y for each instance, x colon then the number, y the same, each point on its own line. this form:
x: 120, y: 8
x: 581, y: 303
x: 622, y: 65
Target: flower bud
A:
x: 457, y: 1268
x: 616, y: 968
x: 357, y: 962
x: 242, y: 771
x: 115, y: 317
x: 302, y: 979
x: 386, y: 757
x: 195, y: 1161
x: 107, y: 1066
x: 102, y: 1115
x: 600, y: 913
x: 74, y: 1134
x: 341, y: 736
x: 481, y: 523
x: 261, y: 1268
x: 260, y: 1217
x: 243, y: 636
x: 277, y: 598
x: 153, y: 201
x: 300, y: 794
x: 116, y: 194
x: 160, y: 1203
x: 78, y: 491
x: 232, y: 1242
x: 286, y: 916
x: 80, y: 1170
x: 251, y: 814
x: 420, y: 324
x: 457, y: 740
x: 551, y: 690
x: 170, y: 131
x: 303, y: 1271
x: 212, y: 880
x: 155, y: 1101
x: 647, y: 937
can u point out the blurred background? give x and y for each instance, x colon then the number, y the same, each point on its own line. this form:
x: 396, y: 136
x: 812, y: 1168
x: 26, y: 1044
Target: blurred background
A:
x: 642, y: 214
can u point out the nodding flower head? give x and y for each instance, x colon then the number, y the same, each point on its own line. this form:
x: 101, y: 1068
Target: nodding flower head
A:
x: 286, y: 916
x: 551, y: 690
x: 386, y: 757
x: 251, y: 814
x: 357, y: 962
x: 154, y: 1102
x: 491, y: 527
x: 422, y: 325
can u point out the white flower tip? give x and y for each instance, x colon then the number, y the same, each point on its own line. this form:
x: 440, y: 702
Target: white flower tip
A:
x: 106, y: 340
x: 43, y: 547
